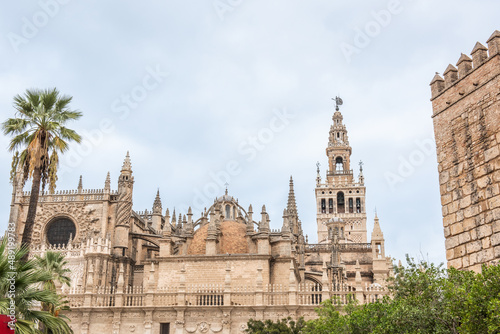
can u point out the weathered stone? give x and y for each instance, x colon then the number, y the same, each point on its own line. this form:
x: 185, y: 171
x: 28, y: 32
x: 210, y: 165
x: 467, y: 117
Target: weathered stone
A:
x: 467, y: 132
x: 474, y: 246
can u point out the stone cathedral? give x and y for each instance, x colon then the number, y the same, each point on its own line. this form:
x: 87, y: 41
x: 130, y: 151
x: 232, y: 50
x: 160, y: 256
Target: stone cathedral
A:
x: 163, y: 272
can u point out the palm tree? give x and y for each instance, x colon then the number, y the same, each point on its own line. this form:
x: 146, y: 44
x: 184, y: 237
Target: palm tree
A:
x: 54, y: 264
x: 28, y: 293
x: 38, y: 135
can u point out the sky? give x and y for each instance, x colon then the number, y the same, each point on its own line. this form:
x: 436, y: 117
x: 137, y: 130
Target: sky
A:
x: 207, y: 92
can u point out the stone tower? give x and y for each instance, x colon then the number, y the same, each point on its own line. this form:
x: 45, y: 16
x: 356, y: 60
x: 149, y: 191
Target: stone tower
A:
x: 123, y: 209
x: 466, y: 115
x: 340, y: 196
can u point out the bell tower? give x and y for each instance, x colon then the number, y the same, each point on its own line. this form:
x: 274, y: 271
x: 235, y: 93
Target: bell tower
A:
x: 341, y: 196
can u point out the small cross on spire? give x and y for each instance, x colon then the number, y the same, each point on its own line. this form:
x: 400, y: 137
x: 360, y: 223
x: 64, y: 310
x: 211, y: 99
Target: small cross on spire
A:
x: 226, y: 184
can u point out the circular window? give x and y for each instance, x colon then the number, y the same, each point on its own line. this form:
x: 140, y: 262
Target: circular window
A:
x: 60, y: 230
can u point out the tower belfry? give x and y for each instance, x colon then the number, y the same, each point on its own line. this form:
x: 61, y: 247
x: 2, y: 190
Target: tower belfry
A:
x: 340, y: 196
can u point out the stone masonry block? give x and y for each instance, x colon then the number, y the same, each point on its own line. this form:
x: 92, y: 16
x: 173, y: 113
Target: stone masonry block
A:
x: 456, y: 228
x: 451, y: 242
x: 496, y: 226
x: 497, y: 252
x: 469, y: 224
x: 495, y: 239
x: 447, y: 232
x: 463, y: 238
x: 491, y: 153
x: 485, y: 255
x: 474, y: 246
x: 486, y: 242
x: 484, y: 231
x: 455, y: 263
x: 459, y: 251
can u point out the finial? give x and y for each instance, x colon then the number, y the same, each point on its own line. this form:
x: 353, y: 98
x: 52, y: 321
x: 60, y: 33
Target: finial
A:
x: 127, y: 166
x: 317, y: 166
x: 226, y: 184
x: 80, y: 183
x: 157, y: 203
x: 107, y: 183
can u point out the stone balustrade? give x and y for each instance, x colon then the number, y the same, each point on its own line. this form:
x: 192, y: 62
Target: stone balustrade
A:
x: 212, y: 295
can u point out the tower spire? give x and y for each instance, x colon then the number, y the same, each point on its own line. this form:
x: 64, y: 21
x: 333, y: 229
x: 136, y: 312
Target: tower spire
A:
x: 291, y: 205
x: 157, y: 203
x: 80, y: 185
x: 127, y: 165
x: 107, y: 183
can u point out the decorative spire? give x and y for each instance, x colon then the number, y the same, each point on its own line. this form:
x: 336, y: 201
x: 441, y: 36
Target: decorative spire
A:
x: 80, y: 185
x: 361, y: 177
x: 107, y: 183
x: 291, y: 205
x: 157, y: 203
x: 377, y: 231
x: 264, y: 222
x: 318, y: 176
x: 127, y: 165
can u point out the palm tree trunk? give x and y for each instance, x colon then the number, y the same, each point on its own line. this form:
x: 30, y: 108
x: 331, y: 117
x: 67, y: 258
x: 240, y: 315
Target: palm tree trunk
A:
x: 30, y: 219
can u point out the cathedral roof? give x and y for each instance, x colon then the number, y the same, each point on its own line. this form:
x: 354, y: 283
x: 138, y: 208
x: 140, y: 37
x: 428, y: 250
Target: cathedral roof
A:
x: 232, y: 239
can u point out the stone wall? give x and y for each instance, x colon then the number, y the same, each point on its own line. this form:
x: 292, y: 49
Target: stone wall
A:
x: 466, y: 119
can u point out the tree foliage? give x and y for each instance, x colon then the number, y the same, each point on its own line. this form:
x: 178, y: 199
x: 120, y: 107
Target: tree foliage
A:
x: 284, y: 326
x: 22, y: 294
x: 425, y: 298
x: 38, y: 135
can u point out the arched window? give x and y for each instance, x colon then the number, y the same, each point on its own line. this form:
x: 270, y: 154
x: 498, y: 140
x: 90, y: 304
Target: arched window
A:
x: 351, y: 205
x: 330, y: 205
x: 339, y: 164
x: 60, y: 230
x: 323, y: 206
x: 358, y: 205
x: 228, y: 211
x: 340, y: 202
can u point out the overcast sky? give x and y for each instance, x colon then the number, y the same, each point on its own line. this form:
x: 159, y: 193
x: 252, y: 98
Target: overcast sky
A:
x: 204, y: 92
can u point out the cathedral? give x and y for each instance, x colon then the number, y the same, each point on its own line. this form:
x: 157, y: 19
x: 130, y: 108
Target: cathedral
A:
x: 164, y: 272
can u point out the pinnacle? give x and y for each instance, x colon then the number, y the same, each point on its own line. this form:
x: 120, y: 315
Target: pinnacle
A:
x: 478, y: 47
x: 291, y: 205
x: 127, y: 165
x: 157, y: 202
x: 450, y: 68
x: 436, y: 78
x: 463, y: 58
x: 80, y: 184
x: 496, y: 34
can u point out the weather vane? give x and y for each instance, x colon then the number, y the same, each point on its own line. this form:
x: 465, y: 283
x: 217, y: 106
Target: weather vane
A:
x: 361, y: 164
x: 226, y: 184
x: 338, y: 102
x: 317, y: 166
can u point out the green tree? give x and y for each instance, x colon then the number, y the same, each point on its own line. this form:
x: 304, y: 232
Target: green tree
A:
x: 425, y: 299
x: 39, y: 134
x: 21, y: 289
x: 54, y: 264
x: 284, y: 326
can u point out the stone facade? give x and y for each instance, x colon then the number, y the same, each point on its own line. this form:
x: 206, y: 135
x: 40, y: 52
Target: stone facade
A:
x: 466, y: 115
x: 156, y: 272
